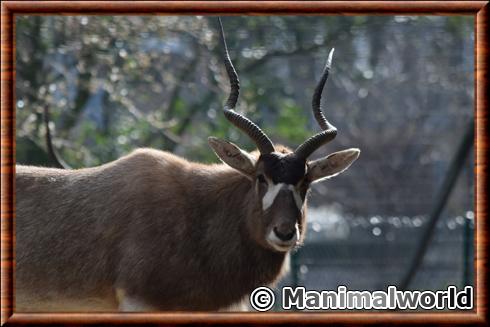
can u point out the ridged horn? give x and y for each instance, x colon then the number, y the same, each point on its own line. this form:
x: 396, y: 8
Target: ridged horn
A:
x: 264, y: 144
x: 329, y: 131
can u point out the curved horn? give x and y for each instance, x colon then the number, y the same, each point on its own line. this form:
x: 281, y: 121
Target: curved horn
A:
x: 264, y: 144
x: 329, y: 131
x: 311, y: 144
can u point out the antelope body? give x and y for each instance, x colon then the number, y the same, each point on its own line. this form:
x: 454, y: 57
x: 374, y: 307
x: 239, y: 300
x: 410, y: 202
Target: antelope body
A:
x: 152, y: 231
x: 150, y: 224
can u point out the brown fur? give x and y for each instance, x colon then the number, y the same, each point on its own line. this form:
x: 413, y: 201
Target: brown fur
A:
x: 173, y: 234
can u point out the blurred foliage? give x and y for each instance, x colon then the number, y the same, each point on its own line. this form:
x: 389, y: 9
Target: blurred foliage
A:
x: 401, y: 89
x: 290, y: 124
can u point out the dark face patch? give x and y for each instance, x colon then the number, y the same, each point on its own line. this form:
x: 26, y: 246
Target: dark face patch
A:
x: 283, y: 168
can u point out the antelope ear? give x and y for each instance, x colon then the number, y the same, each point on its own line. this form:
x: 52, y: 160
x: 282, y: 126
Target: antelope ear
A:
x: 331, y: 165
x: 233, y: 156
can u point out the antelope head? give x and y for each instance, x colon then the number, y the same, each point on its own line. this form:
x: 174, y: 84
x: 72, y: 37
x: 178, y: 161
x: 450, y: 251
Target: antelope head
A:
x: 281, y: 178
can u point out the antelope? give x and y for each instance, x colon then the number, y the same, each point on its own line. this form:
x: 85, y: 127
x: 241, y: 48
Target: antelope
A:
x: 152, y: 231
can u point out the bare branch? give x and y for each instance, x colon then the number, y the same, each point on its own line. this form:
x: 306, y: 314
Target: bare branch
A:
x: 60, y: 163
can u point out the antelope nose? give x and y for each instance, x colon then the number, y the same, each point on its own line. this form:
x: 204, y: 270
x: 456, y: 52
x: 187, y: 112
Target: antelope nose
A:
x: 285, y: 233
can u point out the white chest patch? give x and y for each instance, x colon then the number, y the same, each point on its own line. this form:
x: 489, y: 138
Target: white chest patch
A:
x: 274, y: 189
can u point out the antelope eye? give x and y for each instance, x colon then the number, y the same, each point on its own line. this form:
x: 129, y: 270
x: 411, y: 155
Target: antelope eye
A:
x: 261, y: 179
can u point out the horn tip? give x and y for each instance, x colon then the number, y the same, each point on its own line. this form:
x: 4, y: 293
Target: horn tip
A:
x: 330, y: 56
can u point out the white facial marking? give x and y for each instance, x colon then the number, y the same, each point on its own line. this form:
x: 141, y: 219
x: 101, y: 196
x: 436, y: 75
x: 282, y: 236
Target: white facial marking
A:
x: 280, y: 245
x: 270, y: 195
x: 297, y: 197
x: 273, y: 191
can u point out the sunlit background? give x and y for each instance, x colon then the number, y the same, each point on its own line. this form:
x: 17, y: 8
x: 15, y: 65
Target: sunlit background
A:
x: 401, y: 89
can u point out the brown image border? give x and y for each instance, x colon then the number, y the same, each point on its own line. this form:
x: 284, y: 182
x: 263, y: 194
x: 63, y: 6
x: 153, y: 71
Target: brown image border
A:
x: 9, y: 9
